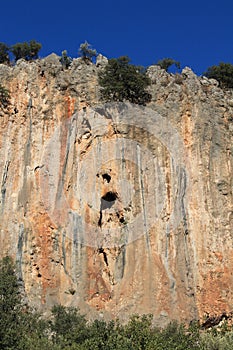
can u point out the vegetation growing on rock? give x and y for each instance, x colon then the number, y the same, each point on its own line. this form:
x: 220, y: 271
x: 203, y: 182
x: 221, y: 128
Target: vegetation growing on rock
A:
x: 65, y: 60
x: 66, y: 329
x: 119, y: 79
x: 166, y: 63
x: 28, y: 51
x: 223, y: 73
x: 86, y: 51
x: 4, y: 53
x: 4, y: 96
x: 122, y: 81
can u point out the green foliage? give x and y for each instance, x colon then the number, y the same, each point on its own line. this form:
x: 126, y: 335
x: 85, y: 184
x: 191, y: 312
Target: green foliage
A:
x: 166, y: 63
x: 65, y: 60
x: 33, y: 332
x: 28, y: 51
x: 140, y: 331
x: 218, y: 341
x: 122, y: 81
x: 86, y: 51
x: 10, y: 305
x: 68, y: 326
x: 34, y: 48
x: 4, y: 96
x: 4, y: 53
x: 177, y: 337
x: 67, y: 329
x: 9, y: 289
x: 19, y: 328
x: 223, y: 73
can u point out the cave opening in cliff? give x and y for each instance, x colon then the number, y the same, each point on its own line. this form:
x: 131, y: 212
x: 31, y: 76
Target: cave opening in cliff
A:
x: 106, y: 177
x: 107, y: 200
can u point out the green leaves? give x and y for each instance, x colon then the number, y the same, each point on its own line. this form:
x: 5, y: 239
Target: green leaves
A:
x: 9, y: 290
x: 66, y: 329
x: 121, y: 81
x: 223, y: 73
x: 68, y: 325
x: 86, y: 51
x: 4, y: 96
x: 28, y: 51
x: 10, y: 304
x: 166, y: 63
x: 65, y: 60
x: 4, y: 53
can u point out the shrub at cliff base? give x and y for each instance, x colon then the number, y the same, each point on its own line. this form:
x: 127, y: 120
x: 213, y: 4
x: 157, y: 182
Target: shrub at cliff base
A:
x: 66, y: 329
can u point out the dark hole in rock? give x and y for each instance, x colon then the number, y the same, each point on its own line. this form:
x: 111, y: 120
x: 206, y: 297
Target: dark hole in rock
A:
x: 101, y: 251
x: 122, y: 220
x: 106, y: 177
x: 100, y: 219
x: 108, y: 200
x: 110, y: 196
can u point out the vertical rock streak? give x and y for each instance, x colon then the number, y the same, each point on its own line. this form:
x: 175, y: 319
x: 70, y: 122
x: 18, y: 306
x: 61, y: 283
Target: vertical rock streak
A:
x: 164, y: 240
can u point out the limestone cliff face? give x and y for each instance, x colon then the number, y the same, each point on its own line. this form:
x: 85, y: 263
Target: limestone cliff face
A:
x: 117, y: 209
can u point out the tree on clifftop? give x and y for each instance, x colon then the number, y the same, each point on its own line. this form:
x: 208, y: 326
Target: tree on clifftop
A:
x: 122, y: 81
x: 223, y: 73
x: 4, y: 53
x: 166, y: 63
x: 86, y: 51
x: 28, y: 51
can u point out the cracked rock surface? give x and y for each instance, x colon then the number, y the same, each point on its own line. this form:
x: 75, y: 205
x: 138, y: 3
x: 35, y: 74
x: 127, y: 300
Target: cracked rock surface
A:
x: 114, y: 208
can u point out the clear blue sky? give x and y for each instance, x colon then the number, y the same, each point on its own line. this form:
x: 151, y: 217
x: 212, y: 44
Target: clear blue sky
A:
x: 197, y: 33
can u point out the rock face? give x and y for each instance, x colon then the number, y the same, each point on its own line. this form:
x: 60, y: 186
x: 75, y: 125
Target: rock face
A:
x: 115, y: 208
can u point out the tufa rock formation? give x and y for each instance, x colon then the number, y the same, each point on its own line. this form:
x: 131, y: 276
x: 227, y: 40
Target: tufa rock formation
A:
x: 114, y: 208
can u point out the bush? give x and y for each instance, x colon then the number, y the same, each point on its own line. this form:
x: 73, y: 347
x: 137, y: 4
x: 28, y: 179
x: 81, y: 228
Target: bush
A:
x: 28, y: 51
x: 217, y: 341
x: 68, y: 326
x: 10, y: 305
x: 65, y: 60
x: 166, y: 63
x: 122, y: 81
x: 4, y: 53
x: 4, y: 96
x: 223, y: 73
x: 67, y: 329
x: 86, y: 52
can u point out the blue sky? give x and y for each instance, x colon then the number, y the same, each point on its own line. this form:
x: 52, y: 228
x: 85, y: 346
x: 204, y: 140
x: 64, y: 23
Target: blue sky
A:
x: 199, y: 34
